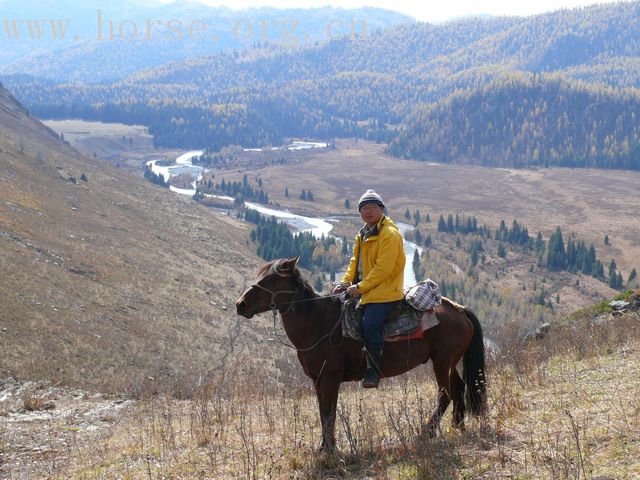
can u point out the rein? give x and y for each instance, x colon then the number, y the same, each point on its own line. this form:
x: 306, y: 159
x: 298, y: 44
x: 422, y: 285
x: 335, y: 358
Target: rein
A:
x: 273, y: 306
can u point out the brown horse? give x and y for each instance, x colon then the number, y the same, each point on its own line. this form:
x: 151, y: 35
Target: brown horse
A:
x: 312, y: 323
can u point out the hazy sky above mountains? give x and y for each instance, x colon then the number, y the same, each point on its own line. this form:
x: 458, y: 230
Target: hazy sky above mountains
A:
x: 426, y: 10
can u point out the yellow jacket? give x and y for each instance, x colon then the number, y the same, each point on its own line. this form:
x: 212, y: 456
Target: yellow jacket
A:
x: 382, y: 266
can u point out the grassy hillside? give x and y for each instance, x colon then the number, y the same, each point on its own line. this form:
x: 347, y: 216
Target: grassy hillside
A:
x: 110, y: 282
x: 564, y: 407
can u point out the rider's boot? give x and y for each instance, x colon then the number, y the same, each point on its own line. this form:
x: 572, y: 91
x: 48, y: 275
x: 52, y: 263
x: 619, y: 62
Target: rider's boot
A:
x: 372, y: 376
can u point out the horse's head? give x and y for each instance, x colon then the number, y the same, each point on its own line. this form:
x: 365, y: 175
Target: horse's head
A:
x: 277, y: 284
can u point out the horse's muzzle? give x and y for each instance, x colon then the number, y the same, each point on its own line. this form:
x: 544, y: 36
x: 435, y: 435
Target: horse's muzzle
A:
x: 241, y: 308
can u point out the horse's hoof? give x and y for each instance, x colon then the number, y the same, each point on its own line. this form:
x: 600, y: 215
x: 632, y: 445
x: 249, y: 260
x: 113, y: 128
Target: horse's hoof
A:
x: 430, y: 432
x: 327, y: 449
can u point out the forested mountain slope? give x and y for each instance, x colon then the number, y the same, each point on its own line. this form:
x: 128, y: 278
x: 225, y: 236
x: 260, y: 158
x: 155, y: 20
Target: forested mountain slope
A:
x: 552, y: 122
x: 378, y: 85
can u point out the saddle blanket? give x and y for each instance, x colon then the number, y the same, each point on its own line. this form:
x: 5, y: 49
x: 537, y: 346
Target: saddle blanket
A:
x: 404, y: 322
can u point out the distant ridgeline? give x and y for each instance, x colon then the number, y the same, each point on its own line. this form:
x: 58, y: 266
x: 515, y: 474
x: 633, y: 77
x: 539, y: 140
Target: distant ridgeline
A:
x: 548, y: 90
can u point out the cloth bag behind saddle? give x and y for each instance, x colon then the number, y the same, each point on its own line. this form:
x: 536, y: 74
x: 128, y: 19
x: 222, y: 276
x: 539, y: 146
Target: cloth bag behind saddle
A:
x: 424, y: 295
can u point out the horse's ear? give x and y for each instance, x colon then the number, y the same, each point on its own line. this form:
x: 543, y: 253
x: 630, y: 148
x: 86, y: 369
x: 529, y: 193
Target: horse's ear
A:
x: 285, y: 267
x: 289, y: 264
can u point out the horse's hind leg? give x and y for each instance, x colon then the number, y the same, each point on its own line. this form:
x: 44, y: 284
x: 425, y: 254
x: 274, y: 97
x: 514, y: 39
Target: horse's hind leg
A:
x: 441, y: 369
x: 457, y: 392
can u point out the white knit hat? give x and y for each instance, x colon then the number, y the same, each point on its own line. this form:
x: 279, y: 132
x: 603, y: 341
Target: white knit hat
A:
x: 370, y: 196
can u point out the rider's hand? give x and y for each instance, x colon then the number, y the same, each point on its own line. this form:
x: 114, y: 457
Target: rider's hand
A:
x: 352, y: 290
x: 339, y: 288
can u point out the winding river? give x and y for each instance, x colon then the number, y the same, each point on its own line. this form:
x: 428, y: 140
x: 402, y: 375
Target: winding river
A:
x: 298, y: 223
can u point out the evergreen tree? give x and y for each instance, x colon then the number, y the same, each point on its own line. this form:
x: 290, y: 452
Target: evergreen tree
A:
x: 416, y: 262
x: 556, y: 257
x: 613, y: 274
x: 450, y: 225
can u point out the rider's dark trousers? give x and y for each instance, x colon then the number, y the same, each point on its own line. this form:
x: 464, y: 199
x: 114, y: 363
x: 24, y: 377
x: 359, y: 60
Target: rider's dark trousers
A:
x: 373, y: 317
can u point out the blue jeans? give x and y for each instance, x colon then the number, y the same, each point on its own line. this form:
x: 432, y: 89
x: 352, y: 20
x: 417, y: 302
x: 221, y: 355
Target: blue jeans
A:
x: 373, y: 317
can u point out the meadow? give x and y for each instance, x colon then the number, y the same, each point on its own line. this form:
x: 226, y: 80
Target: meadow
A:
x: 564, y: 407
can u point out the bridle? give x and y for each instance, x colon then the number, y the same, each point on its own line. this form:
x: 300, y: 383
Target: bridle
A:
x: 273, y: 306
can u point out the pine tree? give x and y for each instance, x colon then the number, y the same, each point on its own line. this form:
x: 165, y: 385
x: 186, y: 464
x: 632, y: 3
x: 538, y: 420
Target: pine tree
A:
x: 613, y: 275
x: 557, y: 257
x: 450, y: 224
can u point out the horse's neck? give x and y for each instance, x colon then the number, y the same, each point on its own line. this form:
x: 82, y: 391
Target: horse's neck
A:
x: 306, y: 322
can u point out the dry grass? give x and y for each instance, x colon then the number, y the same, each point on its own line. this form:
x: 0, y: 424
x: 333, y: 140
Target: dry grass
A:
x: 112, y: 284
x: 557, y: 410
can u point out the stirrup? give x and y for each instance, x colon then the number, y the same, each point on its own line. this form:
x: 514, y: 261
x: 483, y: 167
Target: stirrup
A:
x: 371, y: 378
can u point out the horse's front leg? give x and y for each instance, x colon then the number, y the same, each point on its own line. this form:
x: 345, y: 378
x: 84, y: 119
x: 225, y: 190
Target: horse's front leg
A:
x: 327, y: 392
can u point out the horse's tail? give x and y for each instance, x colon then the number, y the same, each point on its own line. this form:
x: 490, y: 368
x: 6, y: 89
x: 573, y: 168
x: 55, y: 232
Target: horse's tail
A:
x: 474, y: 369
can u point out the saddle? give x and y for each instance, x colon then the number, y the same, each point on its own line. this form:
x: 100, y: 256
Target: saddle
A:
x: 403, y: 323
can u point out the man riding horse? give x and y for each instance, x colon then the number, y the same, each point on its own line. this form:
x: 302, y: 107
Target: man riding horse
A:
x: 376, y: 274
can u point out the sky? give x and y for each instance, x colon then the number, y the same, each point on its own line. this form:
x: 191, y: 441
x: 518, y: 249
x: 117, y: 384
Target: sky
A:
x: 425, y: 10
